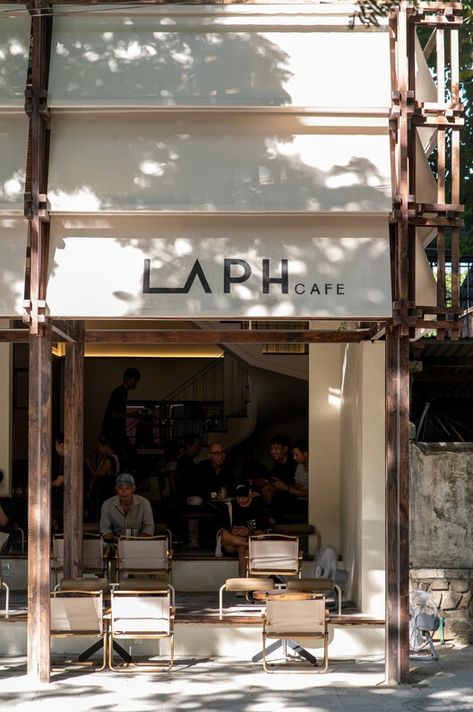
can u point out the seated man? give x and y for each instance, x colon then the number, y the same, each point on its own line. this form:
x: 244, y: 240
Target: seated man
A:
x: 126, y: 510
x: 246, y: 516
x: 296, y: 502
x: 215, y: 473
x: 281, y: 478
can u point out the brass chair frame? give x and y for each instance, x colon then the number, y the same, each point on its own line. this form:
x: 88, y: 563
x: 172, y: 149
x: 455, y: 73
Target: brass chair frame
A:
x: 261, y: 561
x: 134, y: 614
x: 79, y: 613
x: 303, y: 619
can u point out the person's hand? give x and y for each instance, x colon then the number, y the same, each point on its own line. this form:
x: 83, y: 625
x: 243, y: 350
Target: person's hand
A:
x: 240, y: 531
x: 279, y: 485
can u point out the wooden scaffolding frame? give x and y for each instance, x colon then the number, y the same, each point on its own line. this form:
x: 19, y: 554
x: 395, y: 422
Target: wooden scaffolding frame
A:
x: 445, y: 115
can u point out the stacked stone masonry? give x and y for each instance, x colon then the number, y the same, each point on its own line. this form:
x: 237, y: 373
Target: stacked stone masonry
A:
x: 451, y: 590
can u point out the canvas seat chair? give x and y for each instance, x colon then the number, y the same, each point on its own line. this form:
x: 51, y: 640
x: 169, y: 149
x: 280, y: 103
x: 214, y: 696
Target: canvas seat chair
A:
x: 144, y: 555
x: 273, y: 555
x: 94, y: 559
x: 77, y: 611
x: 139, y: 611
x: 291, y: 620
x: 247, y: 585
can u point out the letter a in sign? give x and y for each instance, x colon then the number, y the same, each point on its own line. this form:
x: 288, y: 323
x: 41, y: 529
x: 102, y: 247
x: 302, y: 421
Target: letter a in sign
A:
x: 196, y: 272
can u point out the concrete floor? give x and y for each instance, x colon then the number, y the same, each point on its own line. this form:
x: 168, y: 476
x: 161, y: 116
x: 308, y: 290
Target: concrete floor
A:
x: 225, y: 685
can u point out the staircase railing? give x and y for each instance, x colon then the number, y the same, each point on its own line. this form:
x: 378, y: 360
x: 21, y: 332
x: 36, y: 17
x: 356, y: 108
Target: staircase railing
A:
x: 207, y: 384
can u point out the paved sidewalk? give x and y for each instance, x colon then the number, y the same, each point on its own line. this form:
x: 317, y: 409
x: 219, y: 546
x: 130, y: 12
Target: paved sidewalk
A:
x: 224, y: 685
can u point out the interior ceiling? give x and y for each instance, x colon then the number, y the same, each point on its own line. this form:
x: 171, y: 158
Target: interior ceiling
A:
x: 442, y: 369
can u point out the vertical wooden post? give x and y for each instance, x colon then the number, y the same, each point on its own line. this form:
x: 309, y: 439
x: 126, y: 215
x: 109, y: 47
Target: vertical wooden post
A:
x: 73, y: 454
x: 39, y: 505
x: 39, y: 415
x: 397, y: 506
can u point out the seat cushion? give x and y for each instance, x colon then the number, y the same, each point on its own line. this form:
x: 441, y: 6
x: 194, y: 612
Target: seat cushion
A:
x: 251, y: 583
x: 84, y: 584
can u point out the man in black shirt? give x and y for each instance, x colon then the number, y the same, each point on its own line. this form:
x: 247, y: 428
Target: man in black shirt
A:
x: 215, y: 473
x: 246, y: 517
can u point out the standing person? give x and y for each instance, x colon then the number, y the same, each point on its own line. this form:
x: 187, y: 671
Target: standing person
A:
x: 126, y: 510
x: 7, y: 524
x: 57, y: 487
x: 190, y: 489
x: 114, y: 420
x: 246, y: 517
x: 101, y: 484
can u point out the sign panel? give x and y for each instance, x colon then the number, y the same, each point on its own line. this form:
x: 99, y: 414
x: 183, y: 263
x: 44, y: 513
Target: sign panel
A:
x: 236, y: 273
x: 13, y: 239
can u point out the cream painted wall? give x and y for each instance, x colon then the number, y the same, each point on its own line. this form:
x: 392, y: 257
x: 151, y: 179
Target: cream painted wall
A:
x: 5, y: 421
x: 373, y: 479
x: 351, y: 468
x: 324, y: 441
x: 362, y: 467
x: 347, y: 455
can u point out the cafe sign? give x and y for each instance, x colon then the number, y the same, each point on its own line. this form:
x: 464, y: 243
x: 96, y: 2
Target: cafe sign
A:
x: 220, y: 277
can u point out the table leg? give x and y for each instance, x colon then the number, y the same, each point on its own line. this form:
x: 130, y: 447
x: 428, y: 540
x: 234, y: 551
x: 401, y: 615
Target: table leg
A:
x: 270, y: 649
x: 99, y: 644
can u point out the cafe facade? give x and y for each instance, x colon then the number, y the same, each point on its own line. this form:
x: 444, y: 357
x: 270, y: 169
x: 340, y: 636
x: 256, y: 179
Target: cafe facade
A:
x: 179, y: 174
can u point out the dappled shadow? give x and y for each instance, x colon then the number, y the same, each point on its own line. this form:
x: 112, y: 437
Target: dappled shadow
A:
x: 314, y: 252
x: 155, y: 61
x: 225, y: 685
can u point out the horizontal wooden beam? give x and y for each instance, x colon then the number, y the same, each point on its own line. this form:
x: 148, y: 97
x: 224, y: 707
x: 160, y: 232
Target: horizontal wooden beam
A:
x: 435, y: 324
x: 198, y: 336
x: 64, y: 329
x: 14, y: 336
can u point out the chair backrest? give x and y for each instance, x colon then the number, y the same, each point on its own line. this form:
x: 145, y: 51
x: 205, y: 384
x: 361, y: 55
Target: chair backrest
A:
x: 285, y: 618
x: 273, y: 554
x: 143, y: 554
x: 58, y: 552
x: 77, y: 612
x: 325, y: 563
x: 92, y: 553
x: 147, y: 612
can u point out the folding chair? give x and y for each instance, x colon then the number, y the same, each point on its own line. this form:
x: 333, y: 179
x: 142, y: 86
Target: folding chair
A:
x: 291, y: 620
x: 78, y: 613
x: 243, y: 584
x: 144, y: 555
x: 274, y: 555
x: 143, y: 614
x: 7, y: 596
x: 93, y: 555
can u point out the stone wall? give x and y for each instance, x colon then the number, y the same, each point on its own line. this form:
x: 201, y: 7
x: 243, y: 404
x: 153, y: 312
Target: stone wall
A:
x: 441, y: 531
x: 451, y: 590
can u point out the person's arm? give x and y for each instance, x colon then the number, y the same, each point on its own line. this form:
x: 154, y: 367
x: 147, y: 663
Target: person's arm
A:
x: 3, y: 518
x: 106, y: 522
x: 147, y: 526
x: 58, y: 481
x: 293, y: 489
